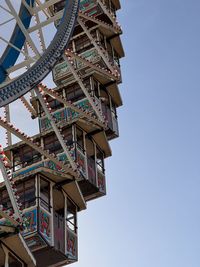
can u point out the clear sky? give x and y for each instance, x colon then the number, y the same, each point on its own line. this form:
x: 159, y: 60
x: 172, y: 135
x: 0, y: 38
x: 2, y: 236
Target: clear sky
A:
x: 151, y: 215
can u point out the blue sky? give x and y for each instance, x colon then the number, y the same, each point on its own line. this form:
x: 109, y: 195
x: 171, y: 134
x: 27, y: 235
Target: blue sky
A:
x: 151, y: 216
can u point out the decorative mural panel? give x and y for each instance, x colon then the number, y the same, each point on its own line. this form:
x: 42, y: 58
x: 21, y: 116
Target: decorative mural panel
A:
x: 89, y: 7
x: 51, y: 165
x: 65, y: 114
x: 101, y: 182
x: 62, y: 157
x: 45, y: 226
x: 72, y: 252
x: 71, y: 114
x: 84, y: 103
x: 5, y: 222
x: 59, y: 230
x: 81, y: 160
x: 30, y: 222
x: 59, y: 116
x: 91, y: 170
x: 91, y: 55
x: 60, y: 70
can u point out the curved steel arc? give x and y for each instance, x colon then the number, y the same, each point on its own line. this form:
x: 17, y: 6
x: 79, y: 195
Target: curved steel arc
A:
x: 44, y: 65
x: 17, y: 39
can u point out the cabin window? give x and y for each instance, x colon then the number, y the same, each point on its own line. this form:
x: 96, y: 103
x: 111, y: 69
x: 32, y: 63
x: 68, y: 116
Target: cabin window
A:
x: 52, y: 144
x: 45, y: 194
x: 54, y: 103
x: 71, y: 216
x: 26, y: 191
x: 25, y: 156
x: 96, y: 88
x: 116, y: 57
x: 114, y: 109
x: 82, y: 44
x: 80, y: 138
x: 102, y: 40
x: 100, y: 159
x: 59, y: 6
x: 68, y: 136
x: 74, y: 93
x: 13, y: 261
x: 110, y: 50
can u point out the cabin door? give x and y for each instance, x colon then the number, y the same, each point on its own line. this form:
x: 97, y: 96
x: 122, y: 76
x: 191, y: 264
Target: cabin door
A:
x: 59, y: 231
x: 59, y: 221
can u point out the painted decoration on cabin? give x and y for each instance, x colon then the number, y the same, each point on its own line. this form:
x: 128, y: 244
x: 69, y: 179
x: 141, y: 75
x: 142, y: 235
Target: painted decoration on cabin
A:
x: 27, y: 170
x: 59, y: 230
x: 5, y: 222
x: 80, y: 158
x: 45, y: 226
x: 30, y: 222
x: 62, y: 157
x: 65, y: 114
x: 84, y: 104
x: 101, y: 182
x: 71, y: 245
x: 59, y: 116
x: 53, y: 166
x: 60, y: 70
x: 91, y: 55
x: 35, y: 242
x: 91, y: 170
x: 88, y: 7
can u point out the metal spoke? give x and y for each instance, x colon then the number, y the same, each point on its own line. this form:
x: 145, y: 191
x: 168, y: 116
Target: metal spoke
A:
x: 23, y: 29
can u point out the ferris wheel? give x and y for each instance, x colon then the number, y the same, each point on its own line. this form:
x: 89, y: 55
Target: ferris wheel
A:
x: 33, y: 36
x: 59, y: 77
x: 29, y: 52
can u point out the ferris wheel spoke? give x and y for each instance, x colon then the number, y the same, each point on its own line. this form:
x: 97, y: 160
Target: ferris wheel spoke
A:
x: 6, y: 22
x: 44, y: 11
x: 23, y: 29
x: 42, y: 24
x: 28, y: 7
x: 21, y: 65
x: 5, y: 9
x: 11, y: 45
x: 42, y: 6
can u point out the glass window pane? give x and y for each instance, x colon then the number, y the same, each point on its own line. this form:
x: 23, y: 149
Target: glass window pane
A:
x: 71, y: 215
x: 79, y: 138
x: 45, y: 194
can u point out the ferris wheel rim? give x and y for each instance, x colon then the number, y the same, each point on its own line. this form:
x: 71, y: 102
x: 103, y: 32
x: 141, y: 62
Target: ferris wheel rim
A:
x: 36, y: 73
